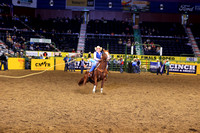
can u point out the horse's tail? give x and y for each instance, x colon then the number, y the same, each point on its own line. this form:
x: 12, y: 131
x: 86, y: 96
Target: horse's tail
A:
x: 81, y: 81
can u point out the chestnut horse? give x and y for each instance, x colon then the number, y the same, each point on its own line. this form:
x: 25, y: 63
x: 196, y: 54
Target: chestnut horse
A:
x: 99, y: 73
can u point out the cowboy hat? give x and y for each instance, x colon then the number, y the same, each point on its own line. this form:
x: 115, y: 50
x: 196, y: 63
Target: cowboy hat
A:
x: 98, y: 47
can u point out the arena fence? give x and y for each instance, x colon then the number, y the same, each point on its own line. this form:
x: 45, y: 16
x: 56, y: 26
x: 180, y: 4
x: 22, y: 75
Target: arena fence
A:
x: 58, y: 63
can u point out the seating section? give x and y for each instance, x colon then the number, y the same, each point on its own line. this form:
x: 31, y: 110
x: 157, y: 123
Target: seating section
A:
x: 9, y: 22
x: 171, y: 47
x: 64, y: 32
x: 61, y: 25
x: 109, y: 27
x: 114, y: 46
x: 162, y: 29
x: 195, y: 30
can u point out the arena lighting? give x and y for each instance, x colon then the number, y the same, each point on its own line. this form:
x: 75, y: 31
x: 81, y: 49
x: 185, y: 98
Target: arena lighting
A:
x: 51, y: 3
x: 110, y: 4
x: 161, y: 7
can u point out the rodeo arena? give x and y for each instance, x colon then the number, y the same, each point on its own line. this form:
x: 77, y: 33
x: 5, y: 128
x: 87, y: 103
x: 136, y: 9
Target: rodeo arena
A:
x: 99, y: 66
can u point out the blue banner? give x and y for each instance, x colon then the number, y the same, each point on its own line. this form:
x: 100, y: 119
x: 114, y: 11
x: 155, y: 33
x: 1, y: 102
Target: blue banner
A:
x: 153, y: 67
x: 189, y: 8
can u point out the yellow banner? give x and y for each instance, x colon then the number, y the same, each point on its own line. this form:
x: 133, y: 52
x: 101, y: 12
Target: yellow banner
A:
x: 16, y: 63
x: 60, y: 64
x: 198, y: 69
x: 42, y: 64
x: 77, y: 3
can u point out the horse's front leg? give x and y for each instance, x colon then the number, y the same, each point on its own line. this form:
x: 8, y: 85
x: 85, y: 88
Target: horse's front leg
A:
x: 95, y: 83
x: 102, y: 83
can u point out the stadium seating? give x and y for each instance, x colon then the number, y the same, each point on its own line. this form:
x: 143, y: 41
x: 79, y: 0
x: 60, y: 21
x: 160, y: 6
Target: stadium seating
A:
x: 103, y: 41
x: 195, y: 30
x: 162, y: 29
x: 171, y: 47
x: 109, y: 27
x: 61, y: 25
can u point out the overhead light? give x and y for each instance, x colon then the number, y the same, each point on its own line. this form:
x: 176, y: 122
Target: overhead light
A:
x: 110, y: 4
x: 51, y: 3
x: 161, y: 7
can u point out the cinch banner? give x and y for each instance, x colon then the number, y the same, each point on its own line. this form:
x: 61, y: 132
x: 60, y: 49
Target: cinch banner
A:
x: 42, y: 64
x: 25, y: 3
x: 16, y: 63
x: 183, y: 69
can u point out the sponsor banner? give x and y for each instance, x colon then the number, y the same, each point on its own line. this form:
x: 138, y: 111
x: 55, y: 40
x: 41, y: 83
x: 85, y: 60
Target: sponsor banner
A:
x: 135, y: 5
x: 48, y: 54
x: 25, y: 3
x: 191, y: 59
x: 42, y: 64
x: 153, y: 66
x: 32, y: 53
x: 189, y: 8
x: 16, y: 63
x: 79, y: 4
x: 51, y: 54
x: 60, y: 64
x: 39, y: 40
x: 183, y: 69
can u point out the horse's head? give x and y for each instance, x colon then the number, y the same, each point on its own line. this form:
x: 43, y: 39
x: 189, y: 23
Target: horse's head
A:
x: 105, y: 55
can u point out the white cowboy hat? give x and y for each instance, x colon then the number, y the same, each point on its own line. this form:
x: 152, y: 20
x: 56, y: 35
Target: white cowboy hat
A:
x: 98, y: 47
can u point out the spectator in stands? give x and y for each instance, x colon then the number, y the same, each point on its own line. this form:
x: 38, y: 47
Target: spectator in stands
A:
x: 3, y: 59
x: 66, y: 63
x: 69, y: 31
x: 60, y: 55
x: 31, y: 47
x: 41, y: 57
x: 73, y: 51
x: 37, y: 48
x: 129, y: 43
x: 158, y: 50
x: 124, y: 43
x: 82, y: 64
x: 81, y: 53
x: 158, y: 66
x: 149, y: 48
x: 120, y: 41
x: 21, y: 53
x: 47, y: 47
x: 167, y: 64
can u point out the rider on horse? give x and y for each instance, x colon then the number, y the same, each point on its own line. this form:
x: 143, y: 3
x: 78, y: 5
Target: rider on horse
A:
x: 97, y: 58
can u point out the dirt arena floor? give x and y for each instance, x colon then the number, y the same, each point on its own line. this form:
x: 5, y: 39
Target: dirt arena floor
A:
x: 53, y: 103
